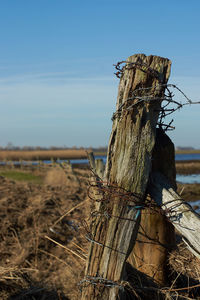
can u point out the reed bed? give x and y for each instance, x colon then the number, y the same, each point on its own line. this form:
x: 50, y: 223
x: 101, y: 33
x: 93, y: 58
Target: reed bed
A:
x: 188, y: 167
x: 10, y: 155
x: 185, y: 151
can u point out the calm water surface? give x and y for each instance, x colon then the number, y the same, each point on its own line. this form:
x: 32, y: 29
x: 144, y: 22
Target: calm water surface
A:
x: 192, y: 156
x: 192, y: 178
x: 195, y: 205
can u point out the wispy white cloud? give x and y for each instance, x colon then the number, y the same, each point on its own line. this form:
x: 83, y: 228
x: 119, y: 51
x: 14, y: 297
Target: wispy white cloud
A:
x: 51, y: 78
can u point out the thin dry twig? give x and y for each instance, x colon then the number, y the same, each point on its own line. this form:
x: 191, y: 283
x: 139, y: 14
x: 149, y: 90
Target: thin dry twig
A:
x: 52, y: 255
x: 64, y: 247
x: 69, y: 211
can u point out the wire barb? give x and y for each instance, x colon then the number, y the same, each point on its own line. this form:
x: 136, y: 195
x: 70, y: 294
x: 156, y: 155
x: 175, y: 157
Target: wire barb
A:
x: 166, y: 100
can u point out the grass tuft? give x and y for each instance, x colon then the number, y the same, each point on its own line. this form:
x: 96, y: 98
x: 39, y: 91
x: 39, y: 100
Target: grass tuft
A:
x: 21, y: 176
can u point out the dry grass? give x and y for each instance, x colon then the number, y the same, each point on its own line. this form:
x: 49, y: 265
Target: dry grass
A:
x: 188, y: 167
x: 189, y: 192
x: 185, y: 262
x: 41, y: 242
x: 42, y: 154
x: 192, y: 151
x: 33, y: 255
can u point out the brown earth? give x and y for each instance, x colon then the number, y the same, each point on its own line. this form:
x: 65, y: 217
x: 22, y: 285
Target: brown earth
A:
x: 42, y: 240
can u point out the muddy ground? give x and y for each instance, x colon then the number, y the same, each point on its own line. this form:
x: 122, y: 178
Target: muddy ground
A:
x: 42, y: 239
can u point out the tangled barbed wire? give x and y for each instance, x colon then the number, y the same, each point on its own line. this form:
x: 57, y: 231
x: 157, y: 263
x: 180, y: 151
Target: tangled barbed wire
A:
x: 107, y: 195
x: 147, y: 94
x: 120, y: 67
x: 101, y: 192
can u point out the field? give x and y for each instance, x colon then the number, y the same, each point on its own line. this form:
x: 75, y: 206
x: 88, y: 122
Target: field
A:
x: 42, y: 256
x: 188, y: 167
x: 43, y: 246
x: 192, y: 151
x: 64, y: 154
x: 42, y: 154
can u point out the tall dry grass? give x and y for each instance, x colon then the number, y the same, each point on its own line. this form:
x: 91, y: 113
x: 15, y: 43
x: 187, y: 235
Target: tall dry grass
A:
x: 42, y: 154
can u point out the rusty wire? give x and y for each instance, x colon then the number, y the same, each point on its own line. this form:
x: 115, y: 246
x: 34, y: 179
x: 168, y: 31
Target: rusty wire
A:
x: 131, y: 65
x: 107, y: 190
x: 101, y: 282
x: 109, y: 194
x: 129, y: 200
x: 125, y: 286
x: 138, y: 96
x: 166, y: 99
x: 115, y: 194
x: 105, y: 193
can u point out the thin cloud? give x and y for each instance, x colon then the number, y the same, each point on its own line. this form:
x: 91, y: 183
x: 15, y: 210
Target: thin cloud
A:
x: 51, y: 78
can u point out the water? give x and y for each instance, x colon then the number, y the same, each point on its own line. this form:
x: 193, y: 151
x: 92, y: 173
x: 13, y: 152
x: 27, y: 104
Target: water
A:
x: 187, y: 156
x: 191, y: 178
x: 85, y: 161
x: 178, y: 157
x: 195, y: 205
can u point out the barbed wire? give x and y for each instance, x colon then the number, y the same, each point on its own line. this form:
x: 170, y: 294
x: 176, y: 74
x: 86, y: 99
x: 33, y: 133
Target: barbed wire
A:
x: 164, y: 111
x: 101, y: 282
x: 125, y: 286
x: 120, y: 196
x: 130, y: 200
x: 107, y: 190
x: 130, y: 65
x: 138, y: 96
x: 105, y: 193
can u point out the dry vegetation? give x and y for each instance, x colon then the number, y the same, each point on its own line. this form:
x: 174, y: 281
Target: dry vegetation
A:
x: 187, y: 151
x: 42, y: 154
x: 43, y: 246
x: 42, y: 253
x: 188, y: 167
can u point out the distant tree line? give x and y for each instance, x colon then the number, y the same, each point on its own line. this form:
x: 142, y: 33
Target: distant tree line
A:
x: 11, y: 147
x: 185, y: 148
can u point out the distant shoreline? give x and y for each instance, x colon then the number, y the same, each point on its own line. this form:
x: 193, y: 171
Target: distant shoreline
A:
x: 187, y: 151
x: 62, y: 154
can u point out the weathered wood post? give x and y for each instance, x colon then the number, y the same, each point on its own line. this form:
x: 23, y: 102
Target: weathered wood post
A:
x: 179, y: 213
x: 115, y: 225
x: 156, y: 235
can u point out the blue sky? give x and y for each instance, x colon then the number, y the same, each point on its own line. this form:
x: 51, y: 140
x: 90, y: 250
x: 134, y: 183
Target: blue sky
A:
x: 56, y: 65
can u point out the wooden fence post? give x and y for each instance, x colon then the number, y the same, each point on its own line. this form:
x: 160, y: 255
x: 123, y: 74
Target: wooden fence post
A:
x: 179, y: 212
x: 156, y: 236
x: 115, y: 225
